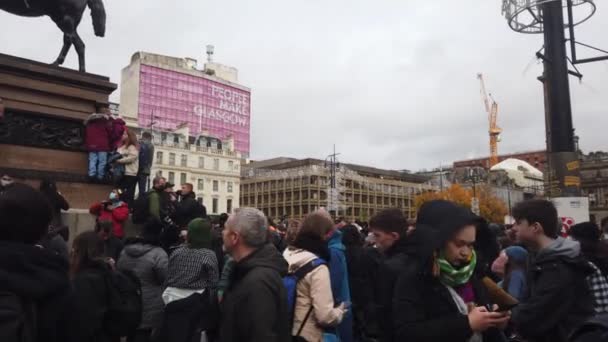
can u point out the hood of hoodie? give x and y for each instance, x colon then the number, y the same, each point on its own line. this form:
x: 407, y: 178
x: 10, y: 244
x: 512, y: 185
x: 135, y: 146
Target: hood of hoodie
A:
x: 137, y: 250
x: 31, y: 271
x: 560, y: 248
x: 335, y: 241
x: 443, y: 219
x: 267, y: 256
x: 95, y: 116
x: 297, y: 258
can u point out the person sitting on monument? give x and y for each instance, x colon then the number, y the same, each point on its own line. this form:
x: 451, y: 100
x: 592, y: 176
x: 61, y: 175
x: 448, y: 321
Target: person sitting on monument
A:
x: 97, y: 143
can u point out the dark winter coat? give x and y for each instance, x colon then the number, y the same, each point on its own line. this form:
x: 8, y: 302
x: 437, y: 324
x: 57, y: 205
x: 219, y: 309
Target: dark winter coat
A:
x: 146, y: 156
x: 557, y: 284
x: 363, y: 266
x: 390, y: 268
x: 40, y: 276
x: 423, y: 308
x: 98, y: 133
x: 254, y: 307
x: 149, y: 263
x: 91, y: 303
x: 188, y: 209
x: 184, y: 319
x: 58, y: 203
x: 594, y: 330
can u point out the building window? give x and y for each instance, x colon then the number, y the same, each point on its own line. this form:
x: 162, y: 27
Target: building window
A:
x: 215, y: 205
x: 171, y: 158
x: 201, y: 184
x: 171, y: 177
x: 182, y: 178
x: 216, y: 164
x: 216, y: 185
x: 229, y: 186
x: 159, y: 157
x: 184, y: 160
x: 230, y: 165
x: 159, y: 173
x: 229, y: 206
x: 201, y: 162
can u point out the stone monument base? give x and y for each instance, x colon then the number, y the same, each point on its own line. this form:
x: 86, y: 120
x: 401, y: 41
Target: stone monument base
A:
x: 42, y: 110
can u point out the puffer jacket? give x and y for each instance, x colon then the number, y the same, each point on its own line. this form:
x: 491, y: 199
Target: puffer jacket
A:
x: 149, y: 263
x: 312, y: 290
x: 130, y: 159
x: 98, y: 131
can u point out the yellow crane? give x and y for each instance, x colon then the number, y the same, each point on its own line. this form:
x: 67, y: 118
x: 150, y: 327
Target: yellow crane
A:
x: 494, y: 130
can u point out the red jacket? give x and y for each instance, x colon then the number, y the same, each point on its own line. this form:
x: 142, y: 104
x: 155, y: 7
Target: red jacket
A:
x: 98, y: 129
x: 118, y: 216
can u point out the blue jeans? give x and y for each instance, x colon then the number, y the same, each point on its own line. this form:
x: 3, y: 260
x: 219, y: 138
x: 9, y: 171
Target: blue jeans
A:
x: 97, y: 164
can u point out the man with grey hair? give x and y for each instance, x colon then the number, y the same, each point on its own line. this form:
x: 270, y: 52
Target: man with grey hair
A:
x: 254, y: 306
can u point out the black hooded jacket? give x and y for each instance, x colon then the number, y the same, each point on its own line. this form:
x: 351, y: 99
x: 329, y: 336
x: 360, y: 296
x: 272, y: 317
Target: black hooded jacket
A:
x: 188, y: 209
x: 395, y: 261
x: 39, y: 276
x: 254, y: 307
x: 91, y: 302
x: 559, y: 298
x: 423, y: 308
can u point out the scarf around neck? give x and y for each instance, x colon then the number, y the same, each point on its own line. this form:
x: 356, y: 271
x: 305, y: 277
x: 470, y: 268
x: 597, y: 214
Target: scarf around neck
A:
x: 451, y: 276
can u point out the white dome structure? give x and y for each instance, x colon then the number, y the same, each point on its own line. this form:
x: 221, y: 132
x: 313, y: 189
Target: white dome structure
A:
x: 523, y: 174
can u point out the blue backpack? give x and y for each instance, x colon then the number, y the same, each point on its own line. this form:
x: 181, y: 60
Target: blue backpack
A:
x: 290, y: 281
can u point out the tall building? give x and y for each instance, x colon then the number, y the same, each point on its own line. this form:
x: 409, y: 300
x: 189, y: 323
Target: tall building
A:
x: 209, y: 164
x: 163, y: 93
x: 594, y: 183
x: 538, y: 159
x: 291, y: 187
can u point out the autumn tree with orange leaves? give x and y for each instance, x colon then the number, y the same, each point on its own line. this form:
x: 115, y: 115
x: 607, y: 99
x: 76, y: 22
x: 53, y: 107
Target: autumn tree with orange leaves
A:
x: 491, y: 207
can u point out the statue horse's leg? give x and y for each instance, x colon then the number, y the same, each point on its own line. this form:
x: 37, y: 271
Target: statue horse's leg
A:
x: 67, y: 44
x: 79, y: 46
x: 68, y: 25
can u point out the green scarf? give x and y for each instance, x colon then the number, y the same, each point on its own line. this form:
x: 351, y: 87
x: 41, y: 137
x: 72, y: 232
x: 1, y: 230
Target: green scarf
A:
x: 450, y: 276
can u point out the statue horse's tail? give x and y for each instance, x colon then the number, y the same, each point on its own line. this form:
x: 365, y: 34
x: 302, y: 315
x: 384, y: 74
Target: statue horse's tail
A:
x: 98, y: 13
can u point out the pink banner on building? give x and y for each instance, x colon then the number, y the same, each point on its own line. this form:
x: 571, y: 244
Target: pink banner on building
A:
x: 168, y: 99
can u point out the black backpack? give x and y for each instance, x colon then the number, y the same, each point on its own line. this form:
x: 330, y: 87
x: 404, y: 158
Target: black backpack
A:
x: 17, y: 319
x: 141, y: 208
x: 124, y: 303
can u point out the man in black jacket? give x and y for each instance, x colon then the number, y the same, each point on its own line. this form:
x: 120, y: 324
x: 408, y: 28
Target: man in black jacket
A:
x: 34, y: 286
x: 559, y: 298
x: 188, y: 207
x: 254, y: 306
x: 389, y: 229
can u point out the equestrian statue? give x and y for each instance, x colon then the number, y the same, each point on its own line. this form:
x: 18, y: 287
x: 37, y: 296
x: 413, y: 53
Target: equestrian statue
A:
x: 66, y: 14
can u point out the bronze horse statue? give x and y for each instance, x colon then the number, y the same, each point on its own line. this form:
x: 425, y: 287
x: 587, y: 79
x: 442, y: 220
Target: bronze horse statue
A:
x: 66, y: 14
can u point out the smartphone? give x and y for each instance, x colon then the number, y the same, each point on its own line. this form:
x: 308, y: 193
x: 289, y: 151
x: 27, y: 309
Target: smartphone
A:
x: 506, y: 308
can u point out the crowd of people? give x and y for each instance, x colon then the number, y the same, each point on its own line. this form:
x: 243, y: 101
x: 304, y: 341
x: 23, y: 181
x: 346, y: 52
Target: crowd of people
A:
x: 116, y: 155
x: 448, y: 276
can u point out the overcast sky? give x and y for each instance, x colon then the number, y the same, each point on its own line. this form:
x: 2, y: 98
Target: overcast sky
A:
x: 392, y: 83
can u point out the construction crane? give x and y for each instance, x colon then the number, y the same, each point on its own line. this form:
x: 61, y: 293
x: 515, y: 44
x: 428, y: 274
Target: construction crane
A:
x: 494, y: 130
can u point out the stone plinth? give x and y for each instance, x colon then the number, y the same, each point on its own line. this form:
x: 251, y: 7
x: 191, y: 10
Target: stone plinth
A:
x: 41, y: 125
